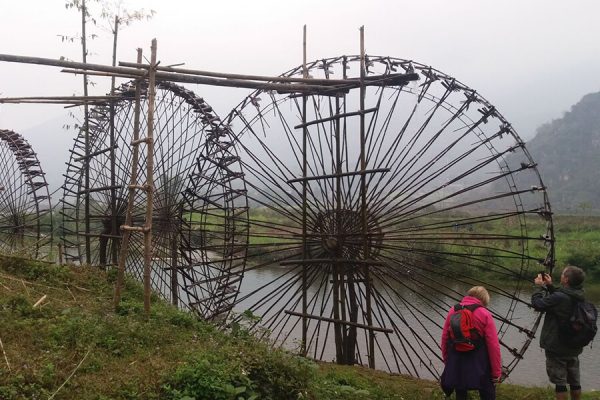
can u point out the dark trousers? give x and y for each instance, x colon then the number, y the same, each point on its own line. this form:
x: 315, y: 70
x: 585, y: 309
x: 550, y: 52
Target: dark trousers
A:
x: 468, y: 370
x: 484, y: 394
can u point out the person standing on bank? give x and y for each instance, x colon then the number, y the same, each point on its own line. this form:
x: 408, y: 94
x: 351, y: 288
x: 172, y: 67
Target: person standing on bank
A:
x: 562, y: 360
x: 479, y: 367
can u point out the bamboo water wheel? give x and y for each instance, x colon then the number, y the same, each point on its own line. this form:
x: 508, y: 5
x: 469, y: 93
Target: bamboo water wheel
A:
x: 185, y: 128
x: 25, y: 211
x: 372, y: 210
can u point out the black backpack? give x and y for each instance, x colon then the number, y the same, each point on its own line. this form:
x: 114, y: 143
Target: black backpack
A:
x: 581, y: 327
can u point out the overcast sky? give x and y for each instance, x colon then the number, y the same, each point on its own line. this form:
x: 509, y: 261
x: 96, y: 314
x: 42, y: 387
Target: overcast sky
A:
x: 532, y: 59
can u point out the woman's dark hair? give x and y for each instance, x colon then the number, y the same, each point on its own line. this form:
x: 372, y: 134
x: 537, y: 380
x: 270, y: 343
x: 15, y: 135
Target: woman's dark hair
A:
x: 575, y: 275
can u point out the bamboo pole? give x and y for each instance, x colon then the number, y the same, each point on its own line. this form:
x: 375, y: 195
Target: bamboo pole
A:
x: 114, y: 229
x: 149, y: 177
x: 60, y: 253
x: 262, y: 78
x: 303, y: 348
x: 342, y: 85
x: 132, y: 180
x: 337, y: 303
x: 40, y: 301
x: 363, y: 196
x: 86, y: 163
x: 4, y: 354
x: 57, y: 98
x: 343, y: 269
x: 71, y: 375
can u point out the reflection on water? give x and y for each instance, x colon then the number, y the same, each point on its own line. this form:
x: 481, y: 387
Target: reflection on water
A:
x: 529, y: 371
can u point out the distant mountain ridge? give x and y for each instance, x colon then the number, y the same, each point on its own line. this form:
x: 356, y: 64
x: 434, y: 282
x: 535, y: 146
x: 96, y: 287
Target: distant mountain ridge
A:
x: 567, y: 151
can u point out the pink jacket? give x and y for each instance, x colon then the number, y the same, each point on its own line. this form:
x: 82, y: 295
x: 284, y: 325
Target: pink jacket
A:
x: 484, y: 323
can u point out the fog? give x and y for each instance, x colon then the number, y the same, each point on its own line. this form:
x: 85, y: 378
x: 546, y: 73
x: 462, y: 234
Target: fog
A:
x: 532, y: 59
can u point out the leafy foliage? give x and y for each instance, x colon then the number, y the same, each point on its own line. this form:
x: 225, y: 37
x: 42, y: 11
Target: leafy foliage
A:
x: 168, y: 355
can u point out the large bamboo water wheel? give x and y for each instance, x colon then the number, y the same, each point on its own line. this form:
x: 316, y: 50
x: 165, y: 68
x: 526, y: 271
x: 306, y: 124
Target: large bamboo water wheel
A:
x: 25, y: 211
x: 373, y: 209
x: 185, y: 128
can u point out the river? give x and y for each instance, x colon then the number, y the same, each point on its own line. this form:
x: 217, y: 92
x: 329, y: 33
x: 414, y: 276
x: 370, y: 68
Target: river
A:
x: 530, y: 371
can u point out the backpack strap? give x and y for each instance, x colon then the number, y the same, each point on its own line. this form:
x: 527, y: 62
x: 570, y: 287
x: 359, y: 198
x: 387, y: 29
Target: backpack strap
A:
x: 455, y: 323
x: 455, y: 326
x: 573, y: 300
x: 472, y: 307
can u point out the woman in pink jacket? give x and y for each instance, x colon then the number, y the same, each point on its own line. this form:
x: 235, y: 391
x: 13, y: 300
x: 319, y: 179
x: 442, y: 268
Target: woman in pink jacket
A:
x: 481, y: 367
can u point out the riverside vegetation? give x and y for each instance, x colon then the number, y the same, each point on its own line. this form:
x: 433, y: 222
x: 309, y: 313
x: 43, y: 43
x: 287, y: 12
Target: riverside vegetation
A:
x: 73, y: 345
x: 577, y: 237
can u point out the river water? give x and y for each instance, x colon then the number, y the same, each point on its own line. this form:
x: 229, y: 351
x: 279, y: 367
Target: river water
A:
x: 530, y: 371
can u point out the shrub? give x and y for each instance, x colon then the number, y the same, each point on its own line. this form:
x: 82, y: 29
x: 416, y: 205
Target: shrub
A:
x: 586, y: 258
x: 209, y: 378
x: 34, y: 270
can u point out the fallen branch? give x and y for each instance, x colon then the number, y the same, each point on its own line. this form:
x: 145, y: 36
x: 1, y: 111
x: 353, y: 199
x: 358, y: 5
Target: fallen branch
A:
x: 71, y: 294
x: 40, y: 301
x: 70, y: 376
x: 26, y: 289
x: 4, y: 353
x: 12, y: 278
x: 80, y: 288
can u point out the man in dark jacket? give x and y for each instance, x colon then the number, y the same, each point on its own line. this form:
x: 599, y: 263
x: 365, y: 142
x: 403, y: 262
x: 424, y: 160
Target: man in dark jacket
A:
x: 562, y: 361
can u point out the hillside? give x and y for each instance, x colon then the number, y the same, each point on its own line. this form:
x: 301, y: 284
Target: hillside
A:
x: 567, y: 151
x: 72, y: 345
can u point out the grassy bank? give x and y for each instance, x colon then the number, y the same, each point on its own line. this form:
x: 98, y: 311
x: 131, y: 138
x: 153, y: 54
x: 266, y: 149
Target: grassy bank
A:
x: 72, y: 345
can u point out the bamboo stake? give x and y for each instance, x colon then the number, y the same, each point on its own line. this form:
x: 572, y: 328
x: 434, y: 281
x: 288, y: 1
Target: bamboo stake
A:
x: 338, y: 295
x: 114, y: 229
x: 86, y: 121
x: 70, y: 376
x: 149, y: 177
x: 26, y: 289
x: 303, y: 348
x: 40, y: 301
x: 60, y: 253
x: 4, y: 353
x: 133, y: 182
x: 363, y: 195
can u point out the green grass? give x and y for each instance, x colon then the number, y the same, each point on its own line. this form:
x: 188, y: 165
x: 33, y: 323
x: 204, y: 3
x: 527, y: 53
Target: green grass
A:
x: 75, y: 345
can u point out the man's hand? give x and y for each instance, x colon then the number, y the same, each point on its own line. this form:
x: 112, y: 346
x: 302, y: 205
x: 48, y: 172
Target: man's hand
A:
x: 539, y: 280
x: 542, y: 279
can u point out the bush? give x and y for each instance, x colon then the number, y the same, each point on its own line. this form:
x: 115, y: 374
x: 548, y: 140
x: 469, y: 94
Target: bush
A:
x: 34, y: 270
x: 279, y: 375
x: 209, y: 378
x: 245, y: 368
x: 586, y: 258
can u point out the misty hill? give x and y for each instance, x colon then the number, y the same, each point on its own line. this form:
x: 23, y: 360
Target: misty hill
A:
x: 567, y: 151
